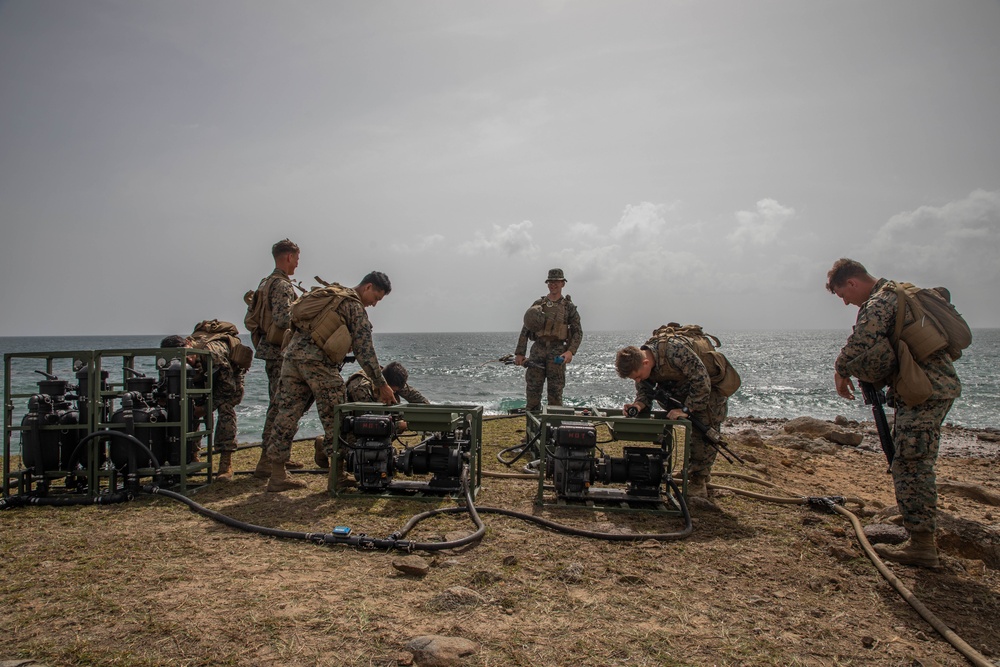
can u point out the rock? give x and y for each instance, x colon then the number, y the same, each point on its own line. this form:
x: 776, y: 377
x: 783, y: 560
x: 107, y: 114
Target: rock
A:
x: 748, y: 437
x: 510, y: 561
x: 455, y: 598
x: 841, y: 420
x: 818, y: 428
x: 572, y: 573
x: 969, y: 539
x: 440, y: 651
x: 988, y: 437
x: 805, y: 444
x: 412, y: 565
x: 885, y: 533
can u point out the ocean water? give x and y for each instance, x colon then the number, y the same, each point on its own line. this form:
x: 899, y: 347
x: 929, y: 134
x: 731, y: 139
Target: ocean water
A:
x: 786, y: 374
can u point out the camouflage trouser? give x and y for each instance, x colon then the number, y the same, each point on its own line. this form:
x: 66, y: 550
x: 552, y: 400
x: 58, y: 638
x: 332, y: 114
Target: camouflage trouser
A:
x: 273, y: 369
x: 553, y: 373
x: 703, y: 453
x: 917, y: 435
x: 227, y: 393
x: 303, y: 381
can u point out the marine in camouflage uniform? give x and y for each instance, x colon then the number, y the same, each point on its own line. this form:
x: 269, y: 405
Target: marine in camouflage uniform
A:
x: 360, y: 389
x: 678, y: 370
x: 542, y: 367
x: 308, y: 374
x: 279, y: 297
x: 227, y: 391
x: 916, y: 428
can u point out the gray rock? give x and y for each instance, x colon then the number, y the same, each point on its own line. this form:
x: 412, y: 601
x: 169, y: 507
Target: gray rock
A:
x: 885, y: 533
x: 440, y: 651
x: 412, y: 565
x: 818, y: 428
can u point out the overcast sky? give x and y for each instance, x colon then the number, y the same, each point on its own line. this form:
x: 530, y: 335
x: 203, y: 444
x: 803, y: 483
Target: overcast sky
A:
x: 693, y: 161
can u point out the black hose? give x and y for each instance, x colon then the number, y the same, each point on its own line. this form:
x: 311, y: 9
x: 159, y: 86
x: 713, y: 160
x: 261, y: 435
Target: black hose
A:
x: 562, y: 528
x: 394, y: 541
x: 131, y: 439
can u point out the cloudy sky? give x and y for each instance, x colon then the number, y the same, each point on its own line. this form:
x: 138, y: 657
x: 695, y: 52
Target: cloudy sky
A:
x: 693, y: 161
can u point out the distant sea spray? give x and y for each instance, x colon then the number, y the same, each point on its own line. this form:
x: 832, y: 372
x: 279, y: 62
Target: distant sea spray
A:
x: 786, y: 374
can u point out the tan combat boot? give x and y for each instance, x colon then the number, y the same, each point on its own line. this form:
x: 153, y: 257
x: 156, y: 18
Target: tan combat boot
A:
x: 225, y: 473
x: 263, y: 469
x: 280, y: 481
x: 697, y: 487
x: 319, y: 456
x: 344, y: 481
x: 921, y: 551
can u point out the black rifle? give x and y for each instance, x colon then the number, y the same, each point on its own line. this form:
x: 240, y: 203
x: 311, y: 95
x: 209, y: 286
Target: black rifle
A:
x: 876, y: 398
x: 508, y: 360
x: 714, y: 438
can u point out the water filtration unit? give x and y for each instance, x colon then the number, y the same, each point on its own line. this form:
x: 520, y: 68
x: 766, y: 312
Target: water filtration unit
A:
x: 95, y: 436
x: 576, y: 468
x: 440, y: 444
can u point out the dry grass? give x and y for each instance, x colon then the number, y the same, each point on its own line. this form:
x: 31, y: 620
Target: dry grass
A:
x: 151, y: 583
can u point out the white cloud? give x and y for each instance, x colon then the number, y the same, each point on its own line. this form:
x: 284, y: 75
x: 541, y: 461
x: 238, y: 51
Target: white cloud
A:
x: 419, y: 245
x: 645, y: 218
x: 960, y: 239
x: 761, y: 226
x: 513, y: 240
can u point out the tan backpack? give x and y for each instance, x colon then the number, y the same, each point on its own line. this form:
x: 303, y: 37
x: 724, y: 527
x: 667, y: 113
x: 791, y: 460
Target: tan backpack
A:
x: 258, y: 318
x: 315, y: 312
x: 207, y: 331
x: 721, y: 373
x: 937, y: 324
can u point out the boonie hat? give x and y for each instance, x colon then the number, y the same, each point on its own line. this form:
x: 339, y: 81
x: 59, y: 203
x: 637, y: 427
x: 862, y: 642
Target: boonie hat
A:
x: 555, y: 274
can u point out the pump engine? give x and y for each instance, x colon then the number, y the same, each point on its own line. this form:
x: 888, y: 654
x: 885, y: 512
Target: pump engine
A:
x: 49, y: 449
x: 572, y: 465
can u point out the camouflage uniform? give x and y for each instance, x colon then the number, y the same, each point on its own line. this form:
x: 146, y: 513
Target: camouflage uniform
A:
x: 307, y: 374
x: 361, y: 390
x: 678, y: 370
x: 280, y: 297
x: 544, y: 350
x: 917, y: 428
x: 227, y: 392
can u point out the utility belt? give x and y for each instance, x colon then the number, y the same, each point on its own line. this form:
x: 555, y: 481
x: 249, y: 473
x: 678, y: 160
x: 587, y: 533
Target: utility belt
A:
x: 550, y: 339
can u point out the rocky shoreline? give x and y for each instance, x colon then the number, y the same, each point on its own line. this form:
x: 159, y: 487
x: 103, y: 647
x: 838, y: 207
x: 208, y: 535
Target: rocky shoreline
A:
x: 956, y: 441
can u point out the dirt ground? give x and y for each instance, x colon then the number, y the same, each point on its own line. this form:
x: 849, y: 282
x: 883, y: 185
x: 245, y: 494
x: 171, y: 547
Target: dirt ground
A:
x: 149, y: 582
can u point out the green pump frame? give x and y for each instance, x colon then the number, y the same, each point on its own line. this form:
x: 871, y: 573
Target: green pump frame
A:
x: 100, y: 401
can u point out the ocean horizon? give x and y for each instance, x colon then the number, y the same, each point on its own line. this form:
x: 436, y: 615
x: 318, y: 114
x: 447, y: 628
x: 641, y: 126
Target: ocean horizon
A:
x: 786, y: 373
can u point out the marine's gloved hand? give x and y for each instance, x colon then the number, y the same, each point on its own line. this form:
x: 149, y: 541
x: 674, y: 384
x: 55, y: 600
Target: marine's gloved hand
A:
x: 518, y: 359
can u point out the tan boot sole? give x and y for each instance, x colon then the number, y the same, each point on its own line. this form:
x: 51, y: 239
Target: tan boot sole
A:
x: 275, y: 486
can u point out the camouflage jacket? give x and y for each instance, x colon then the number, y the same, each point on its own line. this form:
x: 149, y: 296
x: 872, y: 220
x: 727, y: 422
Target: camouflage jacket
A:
x: 302, y: 348
x: 226, y: 376
x: 875, y: 324
x: 361, y: 390
x: 279, y: 302
x: 693, y: 390
x: 572, y: 319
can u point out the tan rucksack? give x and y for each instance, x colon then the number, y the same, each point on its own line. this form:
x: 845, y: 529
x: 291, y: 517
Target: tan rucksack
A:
x: 207, y: 331
x: 720, y: 372
x: 315, y: 312
x: 258, y: 318
x: 937, y: 324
